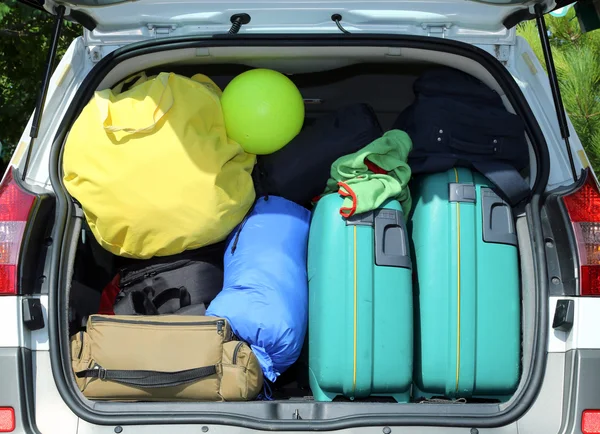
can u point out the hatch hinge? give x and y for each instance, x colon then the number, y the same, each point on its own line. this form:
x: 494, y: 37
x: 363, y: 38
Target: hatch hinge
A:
x: 436, y: 30
x: 161, y: 30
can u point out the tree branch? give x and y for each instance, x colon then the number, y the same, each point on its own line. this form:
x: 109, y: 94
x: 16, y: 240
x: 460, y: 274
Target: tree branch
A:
x: 17, y: 33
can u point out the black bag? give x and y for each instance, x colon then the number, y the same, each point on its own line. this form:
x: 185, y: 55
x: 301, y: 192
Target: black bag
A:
x: 182, y: 284
x: 299, y: 171
x: 456, y: 120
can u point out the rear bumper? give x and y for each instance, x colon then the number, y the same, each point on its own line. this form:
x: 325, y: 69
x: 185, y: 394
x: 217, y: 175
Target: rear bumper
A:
x: 16, y: 378
x: 582, y: 387
x: 571, y: 385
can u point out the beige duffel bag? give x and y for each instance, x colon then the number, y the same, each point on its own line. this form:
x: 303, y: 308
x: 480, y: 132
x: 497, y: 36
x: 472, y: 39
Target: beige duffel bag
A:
x: 163, y: 358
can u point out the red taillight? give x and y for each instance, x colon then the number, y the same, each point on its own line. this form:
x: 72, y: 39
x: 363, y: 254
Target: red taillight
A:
x: 15, y: 206
x: 583, y: 208
x: 590, y: 422
x: 7, y: 419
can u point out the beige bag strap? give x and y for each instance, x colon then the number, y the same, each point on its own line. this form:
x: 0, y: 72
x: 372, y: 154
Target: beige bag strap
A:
x: 164, y: 103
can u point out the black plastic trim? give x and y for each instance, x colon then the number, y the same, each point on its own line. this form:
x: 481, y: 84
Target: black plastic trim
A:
x: 564, y: 315
x: 58, y: 326
x: 33, y: 316
x: 82, y: 18
x: 560, y: 242
x: 517, y: 17
x: 555, y: 275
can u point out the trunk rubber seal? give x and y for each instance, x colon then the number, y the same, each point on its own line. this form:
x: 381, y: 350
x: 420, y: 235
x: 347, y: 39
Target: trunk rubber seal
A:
x: 58, y: 335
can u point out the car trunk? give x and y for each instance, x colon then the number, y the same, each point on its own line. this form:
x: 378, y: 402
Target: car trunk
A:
x: 329, y: 76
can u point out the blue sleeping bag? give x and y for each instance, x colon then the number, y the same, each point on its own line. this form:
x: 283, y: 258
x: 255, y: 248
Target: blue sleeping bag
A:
x: 265, y: 286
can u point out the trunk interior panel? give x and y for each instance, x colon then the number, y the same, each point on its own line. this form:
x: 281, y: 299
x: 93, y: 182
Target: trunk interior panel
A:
x: 369, y: 76
x: 386, y: 88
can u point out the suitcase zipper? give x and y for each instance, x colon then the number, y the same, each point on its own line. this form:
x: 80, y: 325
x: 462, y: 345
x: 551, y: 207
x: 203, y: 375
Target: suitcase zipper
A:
x: 219, y: 323
x: 236, y: 351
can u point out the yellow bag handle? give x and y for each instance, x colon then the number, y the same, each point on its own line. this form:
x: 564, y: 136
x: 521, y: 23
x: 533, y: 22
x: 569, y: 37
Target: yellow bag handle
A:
x: 141, y: 77
x: 164, y: 104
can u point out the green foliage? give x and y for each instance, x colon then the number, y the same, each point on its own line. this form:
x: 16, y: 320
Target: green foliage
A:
x: 4, y: 10
x: 577, y: 59
x: 24, y: 42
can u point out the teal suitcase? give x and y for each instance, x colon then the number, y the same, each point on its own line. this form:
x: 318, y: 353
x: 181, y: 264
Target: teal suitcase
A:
x: 467, y: 293
x: 360, y: 329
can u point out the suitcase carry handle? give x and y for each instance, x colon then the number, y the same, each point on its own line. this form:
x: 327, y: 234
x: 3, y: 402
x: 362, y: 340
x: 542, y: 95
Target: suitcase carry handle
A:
x: 498, y: 224
x: 391, y: 237
x: 391, y: 240
x: 149, y: 379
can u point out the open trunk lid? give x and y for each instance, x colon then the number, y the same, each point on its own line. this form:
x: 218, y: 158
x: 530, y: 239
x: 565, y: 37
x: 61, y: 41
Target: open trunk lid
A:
x: 110, y: 21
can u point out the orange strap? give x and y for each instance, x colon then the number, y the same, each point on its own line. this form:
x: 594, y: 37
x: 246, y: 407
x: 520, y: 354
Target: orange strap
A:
x: 346, y: 191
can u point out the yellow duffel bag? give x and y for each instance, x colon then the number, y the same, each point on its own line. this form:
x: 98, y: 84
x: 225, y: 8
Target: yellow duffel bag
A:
x: 153, y: 168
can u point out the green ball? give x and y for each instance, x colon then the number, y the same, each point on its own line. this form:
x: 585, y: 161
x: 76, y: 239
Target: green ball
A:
x: 263, y: 110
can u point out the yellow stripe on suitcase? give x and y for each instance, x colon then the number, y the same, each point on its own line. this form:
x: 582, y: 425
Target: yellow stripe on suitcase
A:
x: 355, y: 311
x: 458, y: 288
